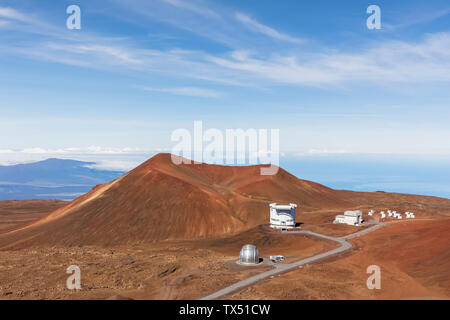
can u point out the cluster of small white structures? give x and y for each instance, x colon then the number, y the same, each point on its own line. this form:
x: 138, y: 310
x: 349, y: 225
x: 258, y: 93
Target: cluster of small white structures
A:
x: 393, y: 214
x: 409, y: 215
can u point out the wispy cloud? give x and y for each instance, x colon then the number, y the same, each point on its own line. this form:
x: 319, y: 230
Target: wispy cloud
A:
x: 26, y: 22
x: 10, y: 13
x: 386, y: 62
x: 390, y: 61
x: 105, y: 150
x: 424, y: 17
x: 312, y: 152
x: 42, y: 151
x: 74, y: 150
x: 115, y: 52
x: 188, y: 91
x: 191, y: 6
x: 255, y: 26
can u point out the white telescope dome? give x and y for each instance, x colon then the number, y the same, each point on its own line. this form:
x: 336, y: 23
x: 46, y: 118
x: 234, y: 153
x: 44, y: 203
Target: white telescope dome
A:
x: 249, y: 254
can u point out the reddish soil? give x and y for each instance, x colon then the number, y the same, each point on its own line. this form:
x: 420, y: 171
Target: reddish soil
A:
x: 18, y: 214
x: 414, y: 258
x: 163, y: 270
x: 164, y: 231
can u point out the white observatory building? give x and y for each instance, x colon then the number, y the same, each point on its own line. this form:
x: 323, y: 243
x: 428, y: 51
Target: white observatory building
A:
x: 353, y: 218
x: 282, y: 216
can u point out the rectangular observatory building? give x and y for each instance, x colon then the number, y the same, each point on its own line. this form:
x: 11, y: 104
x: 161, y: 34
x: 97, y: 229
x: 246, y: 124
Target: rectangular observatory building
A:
x: 353, y: 218
x: 282, y: 216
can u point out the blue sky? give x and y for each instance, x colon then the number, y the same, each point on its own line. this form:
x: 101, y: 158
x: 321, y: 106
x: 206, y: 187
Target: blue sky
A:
x: 137, y: 70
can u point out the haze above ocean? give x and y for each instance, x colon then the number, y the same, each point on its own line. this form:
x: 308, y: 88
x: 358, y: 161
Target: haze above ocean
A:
x: 403, y: 174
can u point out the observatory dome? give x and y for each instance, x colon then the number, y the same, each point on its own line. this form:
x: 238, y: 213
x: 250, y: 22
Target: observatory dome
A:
x: 249, y: 255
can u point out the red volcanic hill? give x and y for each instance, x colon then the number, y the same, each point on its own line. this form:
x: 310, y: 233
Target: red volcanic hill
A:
x: 160, y: 200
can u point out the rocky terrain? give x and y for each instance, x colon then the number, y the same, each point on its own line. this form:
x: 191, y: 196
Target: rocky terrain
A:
x: 164, y: 231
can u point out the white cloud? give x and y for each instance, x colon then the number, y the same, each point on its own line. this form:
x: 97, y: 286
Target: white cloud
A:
x: 427, y: 60
x: 392, y: 61
x: 424, y: 17
x: 103, y: 150
x: 74, y: 150
x: 212, y: 20
x: 82, y: 150
x: 189, y: 5
x: 423, y: 61
x: 3, y: 23
x: 188, y: 91
x: 99, y: 51
x: 115, y: 165
x: 42, y: 151
x: 324, y: 152
x: 34, y: 150
x: 255, y: 26
x: 10, y: 13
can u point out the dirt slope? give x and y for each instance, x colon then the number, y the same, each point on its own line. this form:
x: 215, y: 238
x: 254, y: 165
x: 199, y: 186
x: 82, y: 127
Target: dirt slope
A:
x: 17, y: 214
x: 160, y: 200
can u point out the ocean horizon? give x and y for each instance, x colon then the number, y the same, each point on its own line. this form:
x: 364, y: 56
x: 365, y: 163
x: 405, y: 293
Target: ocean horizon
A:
x: 400, y: 174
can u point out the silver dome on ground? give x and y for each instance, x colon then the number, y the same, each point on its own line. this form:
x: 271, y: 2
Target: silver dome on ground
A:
x: 249, y: 255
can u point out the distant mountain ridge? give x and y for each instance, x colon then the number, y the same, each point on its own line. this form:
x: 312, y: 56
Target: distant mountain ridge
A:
x: 61, y: 179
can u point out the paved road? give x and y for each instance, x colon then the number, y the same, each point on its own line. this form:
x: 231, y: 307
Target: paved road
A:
x: 281, y: 268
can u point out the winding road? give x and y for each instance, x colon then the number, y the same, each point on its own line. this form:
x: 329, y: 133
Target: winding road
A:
x: 281, y: 268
